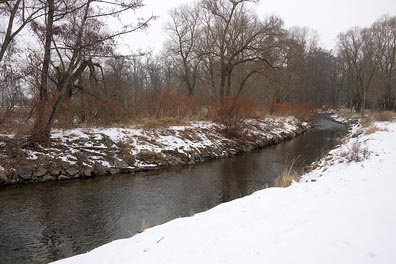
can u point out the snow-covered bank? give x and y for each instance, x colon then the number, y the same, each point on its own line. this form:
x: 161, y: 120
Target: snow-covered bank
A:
x: 342, y: 212
x: 91, y: 152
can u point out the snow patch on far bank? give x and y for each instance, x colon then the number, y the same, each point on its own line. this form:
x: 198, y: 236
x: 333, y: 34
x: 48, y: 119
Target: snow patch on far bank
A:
x: 196, y: 137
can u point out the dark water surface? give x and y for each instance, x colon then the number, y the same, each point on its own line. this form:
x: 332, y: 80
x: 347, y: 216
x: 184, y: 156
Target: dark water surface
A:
x: 40, y: 223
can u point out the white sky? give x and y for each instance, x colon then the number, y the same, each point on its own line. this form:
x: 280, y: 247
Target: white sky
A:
x: 327, y: 17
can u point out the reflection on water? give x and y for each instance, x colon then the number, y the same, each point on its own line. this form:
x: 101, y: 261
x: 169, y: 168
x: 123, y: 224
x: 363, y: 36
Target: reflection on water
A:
x: 45, y: 222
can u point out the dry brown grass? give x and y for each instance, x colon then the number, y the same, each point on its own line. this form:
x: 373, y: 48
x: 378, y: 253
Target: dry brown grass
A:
x: 373, y: 129
x: 143, y: 226
x: 289, y: 175
x: 385, y: 116
x: 374, y: 116
x: 356, y: 153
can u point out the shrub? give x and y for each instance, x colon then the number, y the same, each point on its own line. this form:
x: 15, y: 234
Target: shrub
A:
x: 65, y: 115
x: 167, y: 104
x: 124, y: 149
x: 232, y: 112
x: 356, y: 153
x: 15, y: 120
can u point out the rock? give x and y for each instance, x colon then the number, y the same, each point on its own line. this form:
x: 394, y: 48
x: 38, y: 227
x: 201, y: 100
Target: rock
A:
x: 313, y: 180
x: 63, y: 177
x: 250, y: 147
x: 150, y: 157
x: 99, y: 169
x: 25, y: 173
x: 107, y: 141
x: 3, y: 177
x: 120, y: 163
x: 72, y: 171
x: 177, y: 161
x: 55, y: 172
x: 88, y: 172
x: 40, y: 172
x: 308, y: 168
x: 113, y: 171
x: 233, y: 152
x: 124, y: 171
x: 171, y: 163
x: 48, y: 178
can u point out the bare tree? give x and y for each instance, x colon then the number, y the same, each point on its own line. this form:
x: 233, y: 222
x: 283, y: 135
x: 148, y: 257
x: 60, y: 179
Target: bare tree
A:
x: 236, y: 38
x: 77, y: 40
x: 361, y: 57
x: 352, y: 52
x: 385, y: 41
x: 17, y: 14
x: 40, y: 130
x: 184, y: 29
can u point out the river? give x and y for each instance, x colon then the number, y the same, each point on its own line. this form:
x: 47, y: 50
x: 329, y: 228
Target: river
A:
x: 44, y: 222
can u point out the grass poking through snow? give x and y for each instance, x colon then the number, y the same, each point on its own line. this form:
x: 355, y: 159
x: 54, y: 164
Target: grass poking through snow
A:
x: 143, y: 226
x: 289, y: 174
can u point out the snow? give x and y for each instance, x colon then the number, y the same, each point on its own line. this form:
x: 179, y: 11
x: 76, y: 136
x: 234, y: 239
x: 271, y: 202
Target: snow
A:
x: 7, y: 135
x: 341, y: 212
x: 32, y: 154
x: 194, y: 137
x: 76, y: 133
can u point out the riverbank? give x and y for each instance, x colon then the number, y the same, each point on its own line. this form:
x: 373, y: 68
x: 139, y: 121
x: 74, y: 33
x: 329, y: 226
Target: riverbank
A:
x: 341, y: 212
x: 88, y: 152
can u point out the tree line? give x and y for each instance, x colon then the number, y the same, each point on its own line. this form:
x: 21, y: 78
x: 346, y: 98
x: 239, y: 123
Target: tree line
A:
x: 216, y: 52
x: 368, y: 65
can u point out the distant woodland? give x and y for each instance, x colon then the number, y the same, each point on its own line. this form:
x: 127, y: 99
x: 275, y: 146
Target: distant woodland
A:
x: 220, y: 61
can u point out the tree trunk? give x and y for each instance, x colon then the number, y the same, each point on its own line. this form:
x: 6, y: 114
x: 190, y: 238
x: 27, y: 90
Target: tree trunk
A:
x: 222, y: 84
x: 187, y: 76
x: 228, y: 90
x: 363, y: 105
x: 8, y: 34
x: 41, y: 130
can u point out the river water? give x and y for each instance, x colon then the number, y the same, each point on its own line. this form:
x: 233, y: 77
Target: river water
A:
x: 40, y: 223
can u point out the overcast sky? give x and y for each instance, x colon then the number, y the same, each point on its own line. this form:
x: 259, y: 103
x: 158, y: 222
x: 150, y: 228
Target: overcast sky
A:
x: 328, y: 17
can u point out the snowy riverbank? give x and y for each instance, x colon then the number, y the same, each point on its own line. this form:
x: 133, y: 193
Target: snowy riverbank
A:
x: 87, y: 152
x: 341, y: 212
